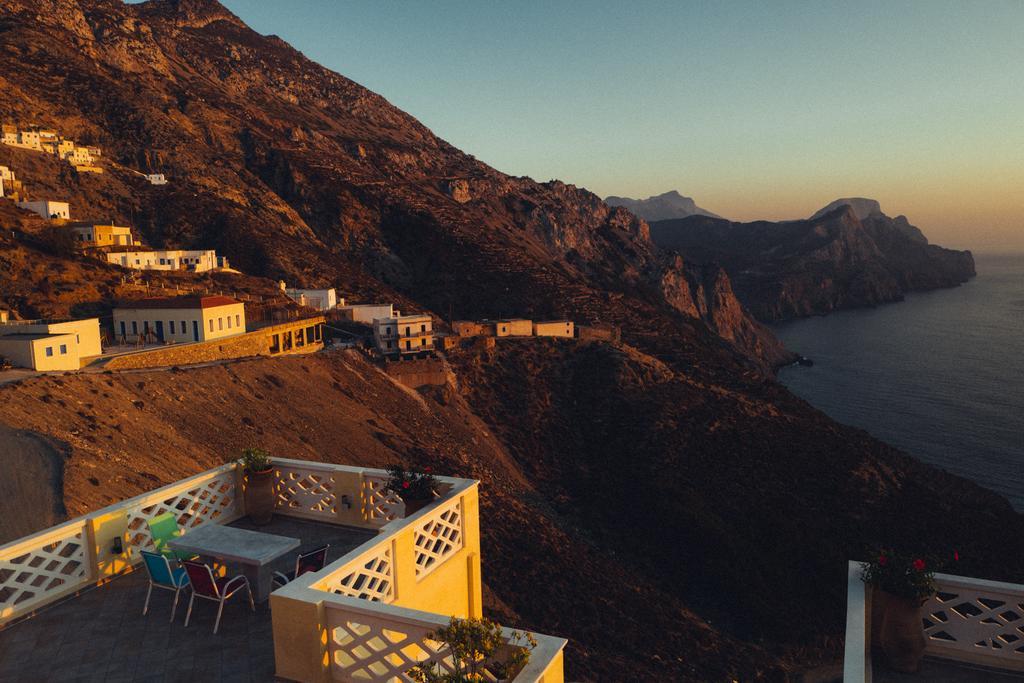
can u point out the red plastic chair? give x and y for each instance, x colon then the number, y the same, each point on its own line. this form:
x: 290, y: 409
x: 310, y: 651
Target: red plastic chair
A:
x: 206, y: 586
x: 313, y: 561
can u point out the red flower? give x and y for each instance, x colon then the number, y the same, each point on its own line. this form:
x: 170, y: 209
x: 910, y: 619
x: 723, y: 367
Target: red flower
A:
x: 405, y: 484
x: 918, y: 565
x: 882, y: 560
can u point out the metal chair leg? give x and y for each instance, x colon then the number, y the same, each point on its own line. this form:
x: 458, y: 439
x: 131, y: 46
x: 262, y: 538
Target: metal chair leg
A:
x: 174, y: 608
x: 145, y: 608
x: 252, y: 603
x: 220, y: 611
x: 191, y: 600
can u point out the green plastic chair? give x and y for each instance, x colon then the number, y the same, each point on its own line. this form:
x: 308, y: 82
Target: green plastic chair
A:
x: 164, y: 528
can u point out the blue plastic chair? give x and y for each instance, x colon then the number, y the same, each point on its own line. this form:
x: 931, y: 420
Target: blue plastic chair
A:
x: 162, y: 575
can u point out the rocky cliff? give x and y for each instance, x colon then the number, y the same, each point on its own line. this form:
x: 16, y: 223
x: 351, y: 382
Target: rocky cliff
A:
x: 848, y: 255
x: 661, y: 207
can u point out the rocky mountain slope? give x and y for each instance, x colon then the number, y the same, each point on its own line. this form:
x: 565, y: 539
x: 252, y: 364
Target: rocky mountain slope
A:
x: 671, y: 529
x: 661, y: 207
x: 294, y: 171
x: 847, y: 255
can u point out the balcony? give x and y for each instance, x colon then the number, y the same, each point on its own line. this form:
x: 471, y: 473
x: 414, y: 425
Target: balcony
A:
x: 974, y: 630
x: 71, y: 597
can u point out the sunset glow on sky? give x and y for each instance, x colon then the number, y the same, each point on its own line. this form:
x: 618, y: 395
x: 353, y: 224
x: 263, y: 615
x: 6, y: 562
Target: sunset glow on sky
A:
x: 757, y: 110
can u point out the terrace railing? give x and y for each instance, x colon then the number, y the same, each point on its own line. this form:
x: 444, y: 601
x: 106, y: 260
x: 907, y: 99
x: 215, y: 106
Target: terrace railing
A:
x: 967, y: 620
x: 391, y: 591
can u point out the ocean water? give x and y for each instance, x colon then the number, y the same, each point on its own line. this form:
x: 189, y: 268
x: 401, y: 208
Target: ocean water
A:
x: 940, y: 375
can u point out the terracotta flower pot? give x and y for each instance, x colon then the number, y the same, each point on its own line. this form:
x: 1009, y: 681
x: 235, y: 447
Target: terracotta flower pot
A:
x: 901, y: 633
x: 416, y: 504
x: 260, y: 498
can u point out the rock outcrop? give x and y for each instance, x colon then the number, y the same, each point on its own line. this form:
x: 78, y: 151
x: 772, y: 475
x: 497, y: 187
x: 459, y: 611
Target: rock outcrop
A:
x: 848, y: 255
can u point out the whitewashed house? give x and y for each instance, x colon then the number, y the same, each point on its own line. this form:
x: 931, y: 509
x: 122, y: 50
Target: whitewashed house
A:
x: 198, y: 261
x: 50, y: 345
x: 48, y: 209
x: 319, y: 299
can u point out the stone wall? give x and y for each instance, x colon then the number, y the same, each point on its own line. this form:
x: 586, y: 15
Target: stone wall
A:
x: 256, y: 343
x: 418, y: 373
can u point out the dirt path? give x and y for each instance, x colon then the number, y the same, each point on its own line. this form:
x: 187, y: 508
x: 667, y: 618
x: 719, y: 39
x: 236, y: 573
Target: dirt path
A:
x: 31, y: 488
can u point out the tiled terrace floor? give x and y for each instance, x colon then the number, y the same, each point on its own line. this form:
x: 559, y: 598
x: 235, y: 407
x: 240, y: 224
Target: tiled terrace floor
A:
x: 944, y: 671
x: 102, y: 636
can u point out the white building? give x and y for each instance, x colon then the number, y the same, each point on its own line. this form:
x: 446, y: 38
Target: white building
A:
x: 319, y: 299
x: 179, y: 319
x: 48, y: 209
x: 156, y: 179
x: 367, y: 313
x: 404, y: 334
x: 6, y: 181
x: 198, y: 261
x: 50, y: 345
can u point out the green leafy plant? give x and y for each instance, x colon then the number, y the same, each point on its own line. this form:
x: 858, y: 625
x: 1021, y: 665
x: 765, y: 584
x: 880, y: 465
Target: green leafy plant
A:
x: 410, y: 485
x: 906, y: 576
x: 256, y: 460
x: 473, y: 645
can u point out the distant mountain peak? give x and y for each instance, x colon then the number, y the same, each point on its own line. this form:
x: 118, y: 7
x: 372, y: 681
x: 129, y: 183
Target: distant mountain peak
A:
x: 862, y: 207
x: 664, y: 206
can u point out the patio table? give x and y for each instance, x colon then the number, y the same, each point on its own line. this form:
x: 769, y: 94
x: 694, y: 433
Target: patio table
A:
x: 253, y: 551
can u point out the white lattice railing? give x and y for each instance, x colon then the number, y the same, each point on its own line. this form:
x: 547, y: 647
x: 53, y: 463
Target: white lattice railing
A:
x: 379, y: 506
x: 369, y: 576
x: 969, y: 620
x: 438, y: 536
x: 307, y: 490
x: 46, y: 566
x: 380, y: 644
x: 209, y: 497
x: 976, y: 620
x: 43, y: 567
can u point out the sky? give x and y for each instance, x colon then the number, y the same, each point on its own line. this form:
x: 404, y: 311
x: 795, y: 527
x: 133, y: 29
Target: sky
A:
x: 757, y: 110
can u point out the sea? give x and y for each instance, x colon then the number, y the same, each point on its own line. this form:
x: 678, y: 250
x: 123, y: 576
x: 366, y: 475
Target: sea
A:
x: 939, y: 375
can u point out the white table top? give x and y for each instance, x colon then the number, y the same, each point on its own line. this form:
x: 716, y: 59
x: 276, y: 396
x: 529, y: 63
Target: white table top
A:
x: 238, y: 545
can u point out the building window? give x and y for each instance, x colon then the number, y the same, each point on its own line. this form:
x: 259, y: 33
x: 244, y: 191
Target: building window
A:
x: 63, y: 349
x: 423, y: 328
x: 49, y: 351
x: 407, y: 332
x: 408, y: 345
x: 388, y: 344
x: 220, y: 323
x: 229, y: 322
x: 211, y: 324
x: 135, y: 327
x: 172, y: 327
x: 423, y: 342
x: 183, y: 328
x: 238, y: 320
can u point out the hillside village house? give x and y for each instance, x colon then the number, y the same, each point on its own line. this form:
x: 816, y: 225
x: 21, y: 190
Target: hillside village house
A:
x: 553, y: 328
x: 320, y: 299
x: 156, y: 179
x: 48, y: 209
x: 78, y: 156
x: 367, y: 313
x: 29, y: 139
x: 404, y: 335
x: 9, y: 134
x: 50, y: 345
x: 515, y: 327
x: 179, y: 319
x: 198, y: 261
x: 94, y: 235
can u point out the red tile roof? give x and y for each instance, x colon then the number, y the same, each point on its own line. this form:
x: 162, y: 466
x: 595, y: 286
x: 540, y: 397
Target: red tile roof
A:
x: 180, y: 302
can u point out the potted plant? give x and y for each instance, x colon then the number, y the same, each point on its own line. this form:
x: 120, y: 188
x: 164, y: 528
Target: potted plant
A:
x: 901, y: 583
x: 260, y: 498
x: 416, y: 489
x: 472, y: 644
